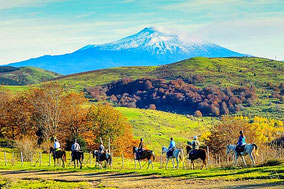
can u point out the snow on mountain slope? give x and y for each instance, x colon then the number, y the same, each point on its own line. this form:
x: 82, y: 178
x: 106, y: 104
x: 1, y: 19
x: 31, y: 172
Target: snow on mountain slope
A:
x: 146, y: 48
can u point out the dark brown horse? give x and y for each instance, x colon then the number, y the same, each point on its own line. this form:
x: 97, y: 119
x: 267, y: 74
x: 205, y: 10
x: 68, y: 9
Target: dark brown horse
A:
x: 145, y: 154
x: 200, y: 153
x: 60, y: 154
x: 79, y: 157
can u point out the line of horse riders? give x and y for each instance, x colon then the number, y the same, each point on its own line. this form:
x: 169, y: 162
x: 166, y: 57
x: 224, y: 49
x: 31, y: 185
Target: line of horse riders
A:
x: 193, y: 152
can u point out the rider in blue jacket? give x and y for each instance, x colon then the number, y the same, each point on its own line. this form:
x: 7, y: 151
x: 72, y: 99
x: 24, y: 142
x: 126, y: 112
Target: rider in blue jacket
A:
x: 171, y: 147
x: 242, y: 139
x: 241, y: 142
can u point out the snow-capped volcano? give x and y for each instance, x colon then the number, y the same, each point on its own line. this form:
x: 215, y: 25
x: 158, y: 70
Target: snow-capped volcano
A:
x: 145, y: 48
x: 152, y: 40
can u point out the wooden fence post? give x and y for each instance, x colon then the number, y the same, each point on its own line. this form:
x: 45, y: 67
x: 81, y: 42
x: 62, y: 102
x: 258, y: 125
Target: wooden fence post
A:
x: 22, y: 159
x: 40, y: 159
x: 208, y: 158
x: 13, y: 158
x: 122, y: 163
x: 108, y: 144
x: 49, y: 159
x: 5, y: 157
x: 31, y: 159
x: 90, y: 158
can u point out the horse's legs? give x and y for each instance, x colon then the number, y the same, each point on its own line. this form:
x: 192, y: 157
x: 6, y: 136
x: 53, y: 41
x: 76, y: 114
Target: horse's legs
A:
x: 177, y: 161
x: 80, y: 164
x: 236, y: 159
x: 173, y: 162
x: 152, y: 164
x: 54, y: 162
x: 252, y: 160
x: 139, y: 164
x: 192, y: 164
x: 63, y: 165
x: 167, y: 163
x: 149, y: 161
x: 244, y: 161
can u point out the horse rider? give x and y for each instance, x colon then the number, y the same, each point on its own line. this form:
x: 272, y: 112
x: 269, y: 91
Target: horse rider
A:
x: 171, y: 147
x: 75, y: 148
x: 195, y: 146
x: 56, y: 145
x: 140, y: 147
x: 101, y: 150
x: 241, y: 143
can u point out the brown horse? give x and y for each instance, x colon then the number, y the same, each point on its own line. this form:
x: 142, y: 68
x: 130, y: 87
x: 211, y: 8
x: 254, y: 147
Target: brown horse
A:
x: 60, y: 154
x: 200, y: 153
x: 145, y: 154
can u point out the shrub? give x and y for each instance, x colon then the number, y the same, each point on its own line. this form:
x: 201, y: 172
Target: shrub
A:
x: 152, y: 107
x: 6, y: 143
x: 197, y: 113
x: 26, y: 146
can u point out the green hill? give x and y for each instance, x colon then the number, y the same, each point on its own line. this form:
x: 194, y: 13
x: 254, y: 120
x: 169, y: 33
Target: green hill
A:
x: 24, y: 75
x: 216, y: 71
x: 156, y: 127
x: 237, y: 71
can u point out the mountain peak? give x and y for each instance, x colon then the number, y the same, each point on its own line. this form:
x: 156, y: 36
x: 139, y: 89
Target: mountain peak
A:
x: 149, y: 30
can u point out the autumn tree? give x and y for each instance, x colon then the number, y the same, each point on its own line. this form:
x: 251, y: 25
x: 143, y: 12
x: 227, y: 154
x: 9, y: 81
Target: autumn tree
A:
x: 106, y: 123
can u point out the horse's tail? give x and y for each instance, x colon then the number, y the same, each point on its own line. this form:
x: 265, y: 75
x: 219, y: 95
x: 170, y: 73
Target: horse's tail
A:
x: 110, y: 159
x: 181, y: 156
x: 82, y: 156
x: 256, y: 149
x: 64, y: 156
x: 153, y: 154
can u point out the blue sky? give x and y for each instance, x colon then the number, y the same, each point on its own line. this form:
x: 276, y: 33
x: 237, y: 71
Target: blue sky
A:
x: 32, y: 28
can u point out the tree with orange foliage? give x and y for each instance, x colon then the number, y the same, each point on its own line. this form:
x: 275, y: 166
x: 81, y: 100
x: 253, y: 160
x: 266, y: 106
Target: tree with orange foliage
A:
x: 107, y: 122
x: 15, y: 115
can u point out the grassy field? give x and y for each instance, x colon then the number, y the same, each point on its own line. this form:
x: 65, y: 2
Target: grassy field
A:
x: 271, y: 177
x: 156, y: 127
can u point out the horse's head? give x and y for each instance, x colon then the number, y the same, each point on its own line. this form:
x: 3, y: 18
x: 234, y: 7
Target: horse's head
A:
x: 164, y: 149
x: 51, y: 149
x: 188, y: 148
x: 229, y: 148
x: 95, y: 153
x: 135, y: 149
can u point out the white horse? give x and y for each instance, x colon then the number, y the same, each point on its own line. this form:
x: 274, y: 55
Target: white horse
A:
x: 177, y: 153
x: 247, y: 151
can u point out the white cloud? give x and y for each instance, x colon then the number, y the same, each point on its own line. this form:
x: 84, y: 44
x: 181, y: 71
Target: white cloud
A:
x: 8, y: 4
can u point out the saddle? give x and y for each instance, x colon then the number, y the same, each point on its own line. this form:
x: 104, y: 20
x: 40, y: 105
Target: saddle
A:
x: 170, y: 152
x: 240, y: 149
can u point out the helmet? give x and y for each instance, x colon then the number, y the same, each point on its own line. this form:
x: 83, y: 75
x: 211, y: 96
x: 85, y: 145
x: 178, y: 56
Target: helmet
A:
x: 241, y: 132
x: 55, y: 140
x: 172, y: 138
x: 75, y: 140
x: 195, y: 137
x: 141, y: 139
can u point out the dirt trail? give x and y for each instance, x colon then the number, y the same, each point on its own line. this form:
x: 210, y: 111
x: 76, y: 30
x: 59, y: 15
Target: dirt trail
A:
x: 118, y: 180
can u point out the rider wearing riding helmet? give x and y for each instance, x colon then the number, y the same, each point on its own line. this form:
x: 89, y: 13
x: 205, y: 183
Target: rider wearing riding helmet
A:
x: 195, y: 145
x: 171, y: 147
x: 56, y: 145
x: 141, y: 145
x: 75, y: 147
x: 241, y: 142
